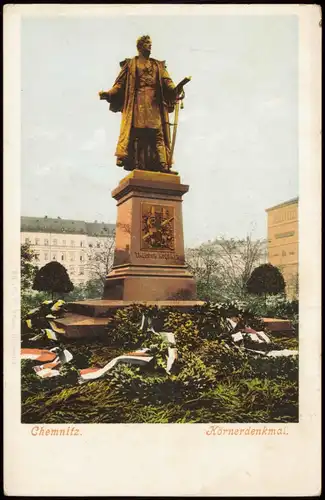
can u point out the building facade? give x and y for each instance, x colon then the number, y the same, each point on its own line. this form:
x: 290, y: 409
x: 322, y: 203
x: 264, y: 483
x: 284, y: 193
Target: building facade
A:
x: 283, y: 242
x: 73, y: 243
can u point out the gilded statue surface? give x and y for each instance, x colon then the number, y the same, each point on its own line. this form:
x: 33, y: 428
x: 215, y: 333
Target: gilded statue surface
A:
x: 145, y: 95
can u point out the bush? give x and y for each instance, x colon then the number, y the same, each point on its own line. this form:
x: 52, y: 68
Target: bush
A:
x: 54, y: 278
x: 228, y: 362
x: 30, y: 300
x: 195, y: 377
x: 266, y: 279
x: 124, y: 327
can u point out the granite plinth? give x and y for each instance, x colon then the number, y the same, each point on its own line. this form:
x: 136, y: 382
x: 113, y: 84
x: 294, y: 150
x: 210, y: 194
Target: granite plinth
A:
x: 149, y: 260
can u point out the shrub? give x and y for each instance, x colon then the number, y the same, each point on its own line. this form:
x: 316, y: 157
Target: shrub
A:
x: 53, y: 277
x: 185, y: 330
x: 195, y: 377
x: 27, y: 267
x: 30, y: 300
x: 266, y: 279
x: 124, y: 328
x: 228, y: 362
x: 284, y: 368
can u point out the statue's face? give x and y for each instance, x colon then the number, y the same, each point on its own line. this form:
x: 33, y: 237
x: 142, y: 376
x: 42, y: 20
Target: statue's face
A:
x: 145, y: 46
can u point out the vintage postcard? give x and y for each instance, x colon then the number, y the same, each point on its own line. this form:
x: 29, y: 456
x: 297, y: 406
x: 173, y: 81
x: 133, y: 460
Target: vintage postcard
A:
x: 162, y: 250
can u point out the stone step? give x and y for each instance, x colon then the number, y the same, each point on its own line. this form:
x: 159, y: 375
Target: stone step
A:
x: 94, y: 317
x: 276, y: 325
x: 89, y: 318
x: 80, y: 326
x: 105, y: 308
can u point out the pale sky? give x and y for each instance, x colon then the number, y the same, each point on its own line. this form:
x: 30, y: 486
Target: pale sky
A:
x: 237, y: 142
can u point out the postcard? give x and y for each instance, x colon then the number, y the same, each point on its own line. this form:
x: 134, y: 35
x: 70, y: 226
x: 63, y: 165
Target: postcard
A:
x: 162, y: 250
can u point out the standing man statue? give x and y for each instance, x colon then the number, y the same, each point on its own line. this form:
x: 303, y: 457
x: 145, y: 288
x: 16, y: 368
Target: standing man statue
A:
x: 145, y: 94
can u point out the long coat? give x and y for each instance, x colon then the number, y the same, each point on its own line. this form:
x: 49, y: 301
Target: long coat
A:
x: 122, y: 98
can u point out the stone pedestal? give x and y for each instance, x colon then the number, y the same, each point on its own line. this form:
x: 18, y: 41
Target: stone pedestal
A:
x: 149, y: 262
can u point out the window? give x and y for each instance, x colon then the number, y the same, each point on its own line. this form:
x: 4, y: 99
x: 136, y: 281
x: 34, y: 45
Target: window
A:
x: 71, y: 256
x: 81, y: 243
x: 81, y: 270
x: 72, y: 243
x: 54, y: 256
x: 62, y: 257
x: 284, y: 253
x: 90, y: 245
x: 81, y: 258
x: 55, y: 242
x: 71, y: 269
x: 46, y: 241
x: 37, y: 256
x: 36, y: 241
x: 64, y: 242
x: 46, y: 256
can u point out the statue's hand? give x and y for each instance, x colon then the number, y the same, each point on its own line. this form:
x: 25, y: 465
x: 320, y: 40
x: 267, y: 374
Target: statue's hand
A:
x: 180, y: 87
x: 104, y: 96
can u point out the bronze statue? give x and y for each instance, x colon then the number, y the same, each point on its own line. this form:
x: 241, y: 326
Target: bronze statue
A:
x: 145, y: 94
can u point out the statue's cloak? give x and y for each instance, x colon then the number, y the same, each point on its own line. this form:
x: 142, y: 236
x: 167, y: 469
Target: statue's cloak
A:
x: 123, y: 97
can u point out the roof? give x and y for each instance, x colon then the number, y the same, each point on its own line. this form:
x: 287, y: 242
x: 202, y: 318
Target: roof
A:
x: 284, y: 203
x: 69, y: 226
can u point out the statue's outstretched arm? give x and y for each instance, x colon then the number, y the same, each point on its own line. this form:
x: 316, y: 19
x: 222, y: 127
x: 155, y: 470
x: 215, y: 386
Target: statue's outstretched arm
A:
x: 118, y: 85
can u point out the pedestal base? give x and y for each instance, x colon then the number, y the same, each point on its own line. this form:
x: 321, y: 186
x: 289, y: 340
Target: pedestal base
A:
x: 133, y: 283
x: 89, y: 318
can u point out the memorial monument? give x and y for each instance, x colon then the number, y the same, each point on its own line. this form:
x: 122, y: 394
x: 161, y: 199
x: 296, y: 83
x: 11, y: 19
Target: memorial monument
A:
x: 149, y: 261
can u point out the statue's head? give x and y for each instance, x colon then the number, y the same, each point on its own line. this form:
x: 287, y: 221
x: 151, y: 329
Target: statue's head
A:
x: 144, y: 44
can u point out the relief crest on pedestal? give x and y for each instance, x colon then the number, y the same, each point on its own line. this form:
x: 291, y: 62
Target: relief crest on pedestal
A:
x: 157, y: 227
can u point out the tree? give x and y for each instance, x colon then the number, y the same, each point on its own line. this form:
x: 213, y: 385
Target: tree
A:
x: 100, y: 258
x: 203, y: 263
x: 237, y: 259
x: 223, y: 267
x: 92, y: 289
x: 266, y: 279
x: 54, y: 278
x: 27, y: 268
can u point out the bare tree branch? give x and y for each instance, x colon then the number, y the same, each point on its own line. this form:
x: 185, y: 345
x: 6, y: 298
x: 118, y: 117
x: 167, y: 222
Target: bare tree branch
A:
x: 100, y: 257
x: 226, y: 264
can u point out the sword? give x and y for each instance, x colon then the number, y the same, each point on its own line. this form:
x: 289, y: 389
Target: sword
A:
x: 162, y: 224
x: 179, y: 88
